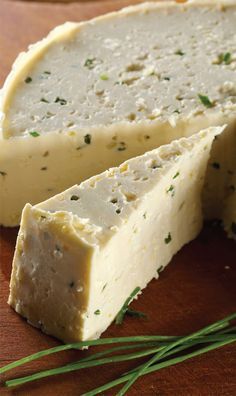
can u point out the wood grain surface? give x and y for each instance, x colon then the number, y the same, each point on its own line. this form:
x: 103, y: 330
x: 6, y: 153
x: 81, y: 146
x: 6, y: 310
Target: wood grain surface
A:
x: 197, y: 288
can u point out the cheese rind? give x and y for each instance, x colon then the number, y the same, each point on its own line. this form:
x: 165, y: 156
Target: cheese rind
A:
x: 117, y: 86
x: 68, y: 275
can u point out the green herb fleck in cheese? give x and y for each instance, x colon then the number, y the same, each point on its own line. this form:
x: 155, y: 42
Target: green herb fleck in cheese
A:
x: 87, y: 139
x: 104, y: 77
x: 74, y: 198
x: 205, y: 101
x: 89, y: 63
x: 168, y: 238
x: 28, y: 80
x: 179, y: 52
x: 34, y: 134
x: 61, y: 101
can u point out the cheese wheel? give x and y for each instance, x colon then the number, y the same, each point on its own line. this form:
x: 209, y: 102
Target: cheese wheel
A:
x: 94, y: 94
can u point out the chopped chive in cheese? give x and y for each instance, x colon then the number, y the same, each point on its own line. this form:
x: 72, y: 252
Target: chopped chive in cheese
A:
x: 89, y: 63
x: 205, y: 101
x: 179, y: 52
x: 28, y: 80
x: 168, y: 239
x: 176, y: 175
x: 122, y: 312
x: 74, y: 198
x: 87, y: 139
x: 171, y: 190
x: 225, y: 58
x: 97, y: 312
x: 104, y: 77
x: 60, y: 100
x: 160, y: 269
x: 121, y: 146
x: 34, y: 134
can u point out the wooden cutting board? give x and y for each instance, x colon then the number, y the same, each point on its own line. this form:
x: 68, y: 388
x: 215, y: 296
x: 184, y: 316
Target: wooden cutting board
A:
x: 197, y: 288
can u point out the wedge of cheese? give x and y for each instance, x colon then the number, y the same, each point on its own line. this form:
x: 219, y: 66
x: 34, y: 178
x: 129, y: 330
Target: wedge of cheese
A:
x: 94, y: 94
x: 80, y: 254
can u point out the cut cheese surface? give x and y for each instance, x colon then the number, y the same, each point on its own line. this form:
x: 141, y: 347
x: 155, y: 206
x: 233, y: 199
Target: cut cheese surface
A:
x: 99, y: 92
x: 69, y: 277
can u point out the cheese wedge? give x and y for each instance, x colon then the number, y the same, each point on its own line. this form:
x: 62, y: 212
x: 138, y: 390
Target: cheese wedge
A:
x: 94, y: 94
x: 80, y: 254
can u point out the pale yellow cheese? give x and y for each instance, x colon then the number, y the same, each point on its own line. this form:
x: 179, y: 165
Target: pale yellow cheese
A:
x: 80, y: 254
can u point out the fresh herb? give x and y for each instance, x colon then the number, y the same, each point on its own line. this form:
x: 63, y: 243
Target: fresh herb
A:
x: 122, y: 146
x: 61, y: 101
x: 47, y: 72
x: 155, y: 165
x: 74, y: 198
x: 176, y: 111
x: 233, y: 227
x: 215, y: 165
x: 120, y: 316
x: 145, y: 215
x: 44, y: 100
x: 176, y: 175
x: 89, y: 63
x: 160, y: 269
x: 137, y: 314
x: 171, y: 189
x: 118, y: 211
x: 104, y: 77
x: 177, y: 346
x: 87, y: 138
x: 28, y: 80
x: 34, y: 134
x: 224, y: 58
x: 168, y: 238
x: 97, y: 312
x: 179, y: 52
x: 44, y: 168
x: 104, y: 287
x: 164, y: 350
x: 166, y: 78
x: 2, y: 173
x: 205, y: 101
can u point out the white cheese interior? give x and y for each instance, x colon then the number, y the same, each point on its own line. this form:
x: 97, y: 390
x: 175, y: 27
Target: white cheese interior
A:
x: 103, y: 91
x: 69, y: 277
x: 129, y: 67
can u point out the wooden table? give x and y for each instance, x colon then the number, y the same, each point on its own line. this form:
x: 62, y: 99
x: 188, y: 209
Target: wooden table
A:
x: 197, y: 288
